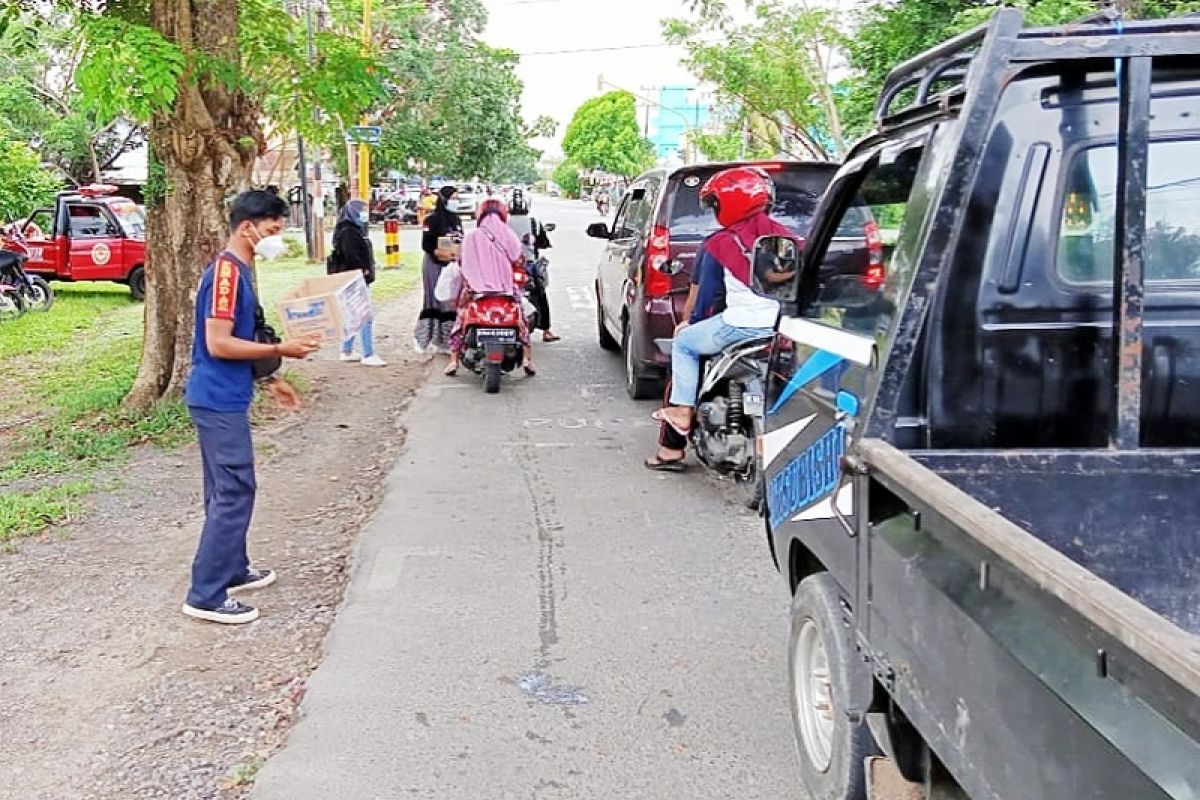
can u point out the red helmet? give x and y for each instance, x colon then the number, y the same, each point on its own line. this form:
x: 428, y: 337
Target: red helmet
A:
x: 492, y: 206
x: 737, y: 193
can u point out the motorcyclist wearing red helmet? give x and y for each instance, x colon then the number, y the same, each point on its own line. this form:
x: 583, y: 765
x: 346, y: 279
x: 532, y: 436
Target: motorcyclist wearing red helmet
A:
x: 724, y: 308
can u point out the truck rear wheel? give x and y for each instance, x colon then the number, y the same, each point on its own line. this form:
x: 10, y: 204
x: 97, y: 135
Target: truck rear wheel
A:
x: 827, y: 680
x: 137, y: 283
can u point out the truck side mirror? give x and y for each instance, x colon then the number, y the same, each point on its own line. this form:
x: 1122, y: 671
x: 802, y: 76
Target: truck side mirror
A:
x: 599, y: 230
x: 776, y: 261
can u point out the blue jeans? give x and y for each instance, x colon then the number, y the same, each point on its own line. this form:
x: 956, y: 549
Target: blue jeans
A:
x: 229, y: 488
x: 702, y: 339
x: 367, y: 335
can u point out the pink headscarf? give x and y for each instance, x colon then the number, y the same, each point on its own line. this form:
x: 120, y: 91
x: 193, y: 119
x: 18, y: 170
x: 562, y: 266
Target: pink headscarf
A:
x: 488, y: 253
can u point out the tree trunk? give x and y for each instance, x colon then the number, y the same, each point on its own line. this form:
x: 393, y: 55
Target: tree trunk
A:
x: 205, y: 145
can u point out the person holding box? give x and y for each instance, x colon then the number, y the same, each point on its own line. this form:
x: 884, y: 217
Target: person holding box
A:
x: 440, y: 240
x: 231, y: 345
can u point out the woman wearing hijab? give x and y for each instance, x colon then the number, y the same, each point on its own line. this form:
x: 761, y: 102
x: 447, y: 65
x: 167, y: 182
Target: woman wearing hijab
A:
x: 437, y: 319
x: 490, y: 253
x: 352, y: 250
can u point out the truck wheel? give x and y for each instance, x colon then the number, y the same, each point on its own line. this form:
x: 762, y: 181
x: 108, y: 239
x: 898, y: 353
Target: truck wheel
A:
x: 607, y: 342
x: 137, y: 283
x: 827, y: 679
x: 637, y: 385
x: 491, y: 378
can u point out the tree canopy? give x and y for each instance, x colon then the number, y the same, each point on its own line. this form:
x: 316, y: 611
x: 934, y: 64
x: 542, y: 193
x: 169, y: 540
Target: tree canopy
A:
x: 604, y: 134
x: 778, y: 68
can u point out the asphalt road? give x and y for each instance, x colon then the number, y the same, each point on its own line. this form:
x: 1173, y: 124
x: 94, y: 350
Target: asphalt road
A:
x: 534, y: 615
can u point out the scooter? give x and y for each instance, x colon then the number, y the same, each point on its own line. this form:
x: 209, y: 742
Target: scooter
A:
x: 729, y: 413
x: 492, y: 333
x: 33, y: 291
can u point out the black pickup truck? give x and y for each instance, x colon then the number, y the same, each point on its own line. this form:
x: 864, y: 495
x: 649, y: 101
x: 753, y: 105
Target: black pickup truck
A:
x: 983, y: 476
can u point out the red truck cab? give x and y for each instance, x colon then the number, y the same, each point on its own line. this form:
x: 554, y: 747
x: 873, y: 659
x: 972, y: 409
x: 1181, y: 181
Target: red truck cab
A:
x: 90, y: 235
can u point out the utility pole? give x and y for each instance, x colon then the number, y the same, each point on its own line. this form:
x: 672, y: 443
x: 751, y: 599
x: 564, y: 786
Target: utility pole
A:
x: 364, y: 150
x: 316, y: 251
x: 304, y: 204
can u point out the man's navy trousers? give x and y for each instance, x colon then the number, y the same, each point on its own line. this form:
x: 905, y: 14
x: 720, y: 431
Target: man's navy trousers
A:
x: 229, y: 487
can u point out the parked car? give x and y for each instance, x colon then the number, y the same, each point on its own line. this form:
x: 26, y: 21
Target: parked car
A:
x: 660, y: 219
x: 981, y: 480
x: 90, y: 234
x: 469, y: 197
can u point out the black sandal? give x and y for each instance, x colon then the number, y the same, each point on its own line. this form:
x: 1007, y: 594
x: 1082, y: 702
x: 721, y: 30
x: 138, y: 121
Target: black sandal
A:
x: 657, y: 464
x: 529, y: 370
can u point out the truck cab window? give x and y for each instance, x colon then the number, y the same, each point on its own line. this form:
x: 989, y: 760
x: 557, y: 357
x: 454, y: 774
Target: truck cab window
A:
x: 854, y: 288
x: 90, y: 222
x: 1087, y: 221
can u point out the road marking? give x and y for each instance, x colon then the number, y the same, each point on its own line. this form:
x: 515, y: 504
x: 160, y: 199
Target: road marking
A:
x: 581, y: 298
x: 389, y: 564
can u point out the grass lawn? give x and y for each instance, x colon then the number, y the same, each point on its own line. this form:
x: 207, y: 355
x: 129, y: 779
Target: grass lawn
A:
x: 63, y: 375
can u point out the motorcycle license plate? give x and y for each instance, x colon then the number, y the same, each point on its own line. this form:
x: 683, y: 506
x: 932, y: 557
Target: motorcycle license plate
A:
x: 496, y: 336
x: 753, y: 403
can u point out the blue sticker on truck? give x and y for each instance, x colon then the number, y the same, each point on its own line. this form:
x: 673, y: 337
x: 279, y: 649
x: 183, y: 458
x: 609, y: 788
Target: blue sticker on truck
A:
x: 808, y: 477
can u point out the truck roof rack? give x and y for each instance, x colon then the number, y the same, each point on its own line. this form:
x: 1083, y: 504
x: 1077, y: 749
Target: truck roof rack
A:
x: 1103, y: 35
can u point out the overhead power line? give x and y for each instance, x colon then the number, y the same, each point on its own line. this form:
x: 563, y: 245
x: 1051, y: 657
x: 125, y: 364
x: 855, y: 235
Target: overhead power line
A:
x: 596, y: 49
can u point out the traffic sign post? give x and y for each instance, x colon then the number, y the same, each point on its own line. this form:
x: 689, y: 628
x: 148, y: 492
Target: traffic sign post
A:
x: 365, y: 134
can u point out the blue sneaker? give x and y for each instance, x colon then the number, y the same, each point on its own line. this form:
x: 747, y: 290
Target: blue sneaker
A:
x: 253, y: 579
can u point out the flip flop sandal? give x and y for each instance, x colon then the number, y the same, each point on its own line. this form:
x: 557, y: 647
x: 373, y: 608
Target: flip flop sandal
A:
x: 656, y: 464
x: 529, y: 370
x: 660, y: 416
x: 551, y: 339
x: 450, y: 372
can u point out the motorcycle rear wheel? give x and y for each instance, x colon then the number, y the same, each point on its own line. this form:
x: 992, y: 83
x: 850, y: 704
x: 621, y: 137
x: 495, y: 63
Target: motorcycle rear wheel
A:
x: 491, y: 378
x: 38, y: 295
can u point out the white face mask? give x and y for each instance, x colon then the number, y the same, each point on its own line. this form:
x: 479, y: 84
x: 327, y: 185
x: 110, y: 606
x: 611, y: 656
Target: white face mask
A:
x: 270, y: 247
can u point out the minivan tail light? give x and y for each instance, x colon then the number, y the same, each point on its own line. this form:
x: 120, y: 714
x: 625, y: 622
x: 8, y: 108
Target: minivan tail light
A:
x: 658, y: 254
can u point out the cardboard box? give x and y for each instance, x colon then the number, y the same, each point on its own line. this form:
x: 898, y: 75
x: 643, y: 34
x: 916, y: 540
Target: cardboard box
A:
x: 333, y: 307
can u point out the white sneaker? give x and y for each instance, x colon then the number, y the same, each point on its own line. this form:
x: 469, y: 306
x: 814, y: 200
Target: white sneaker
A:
x: 349, y: 357
x: 374, y: 361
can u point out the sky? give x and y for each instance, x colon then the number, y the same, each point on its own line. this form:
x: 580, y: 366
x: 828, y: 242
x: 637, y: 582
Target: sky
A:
x: 555, y: 85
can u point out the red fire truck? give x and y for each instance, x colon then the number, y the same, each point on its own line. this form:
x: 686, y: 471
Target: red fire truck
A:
x: 90, y: 235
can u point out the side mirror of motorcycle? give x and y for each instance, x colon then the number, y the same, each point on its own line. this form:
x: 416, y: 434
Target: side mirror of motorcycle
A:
x: 599, y: 230
x: 550, y: 227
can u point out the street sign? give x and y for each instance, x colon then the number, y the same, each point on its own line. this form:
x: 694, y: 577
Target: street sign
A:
x: 365, y: 134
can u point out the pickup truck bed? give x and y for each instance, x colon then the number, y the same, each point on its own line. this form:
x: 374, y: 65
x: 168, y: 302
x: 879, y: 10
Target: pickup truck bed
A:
x: 1128, y: 518
x: 1038, y: 613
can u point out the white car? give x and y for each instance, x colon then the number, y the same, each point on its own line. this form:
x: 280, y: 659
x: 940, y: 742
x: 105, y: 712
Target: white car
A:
x: 467, y: 201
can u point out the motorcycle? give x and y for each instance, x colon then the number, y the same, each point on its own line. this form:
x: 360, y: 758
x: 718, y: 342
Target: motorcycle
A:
x: 519, y: 202
x: 33, y: 292
x: 729, y: 413
x: 492, y: 333
x: 728, y: 422
x: 491, y: 323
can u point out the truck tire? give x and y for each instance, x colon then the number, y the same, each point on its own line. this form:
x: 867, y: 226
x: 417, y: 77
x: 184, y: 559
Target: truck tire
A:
x: 137, y: 283
x: 826, y: 679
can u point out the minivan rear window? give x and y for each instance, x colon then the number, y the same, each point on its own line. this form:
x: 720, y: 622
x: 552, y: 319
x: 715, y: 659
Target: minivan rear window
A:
x: 796, y: 195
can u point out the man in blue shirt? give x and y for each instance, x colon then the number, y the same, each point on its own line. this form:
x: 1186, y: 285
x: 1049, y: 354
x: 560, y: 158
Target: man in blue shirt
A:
x: 218, y: 397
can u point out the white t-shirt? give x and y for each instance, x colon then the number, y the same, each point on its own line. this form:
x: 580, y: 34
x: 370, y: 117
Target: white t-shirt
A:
x: 744, y: 308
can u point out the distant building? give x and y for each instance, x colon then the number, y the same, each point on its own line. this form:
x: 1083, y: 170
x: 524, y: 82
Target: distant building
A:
x: 680, y: 109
